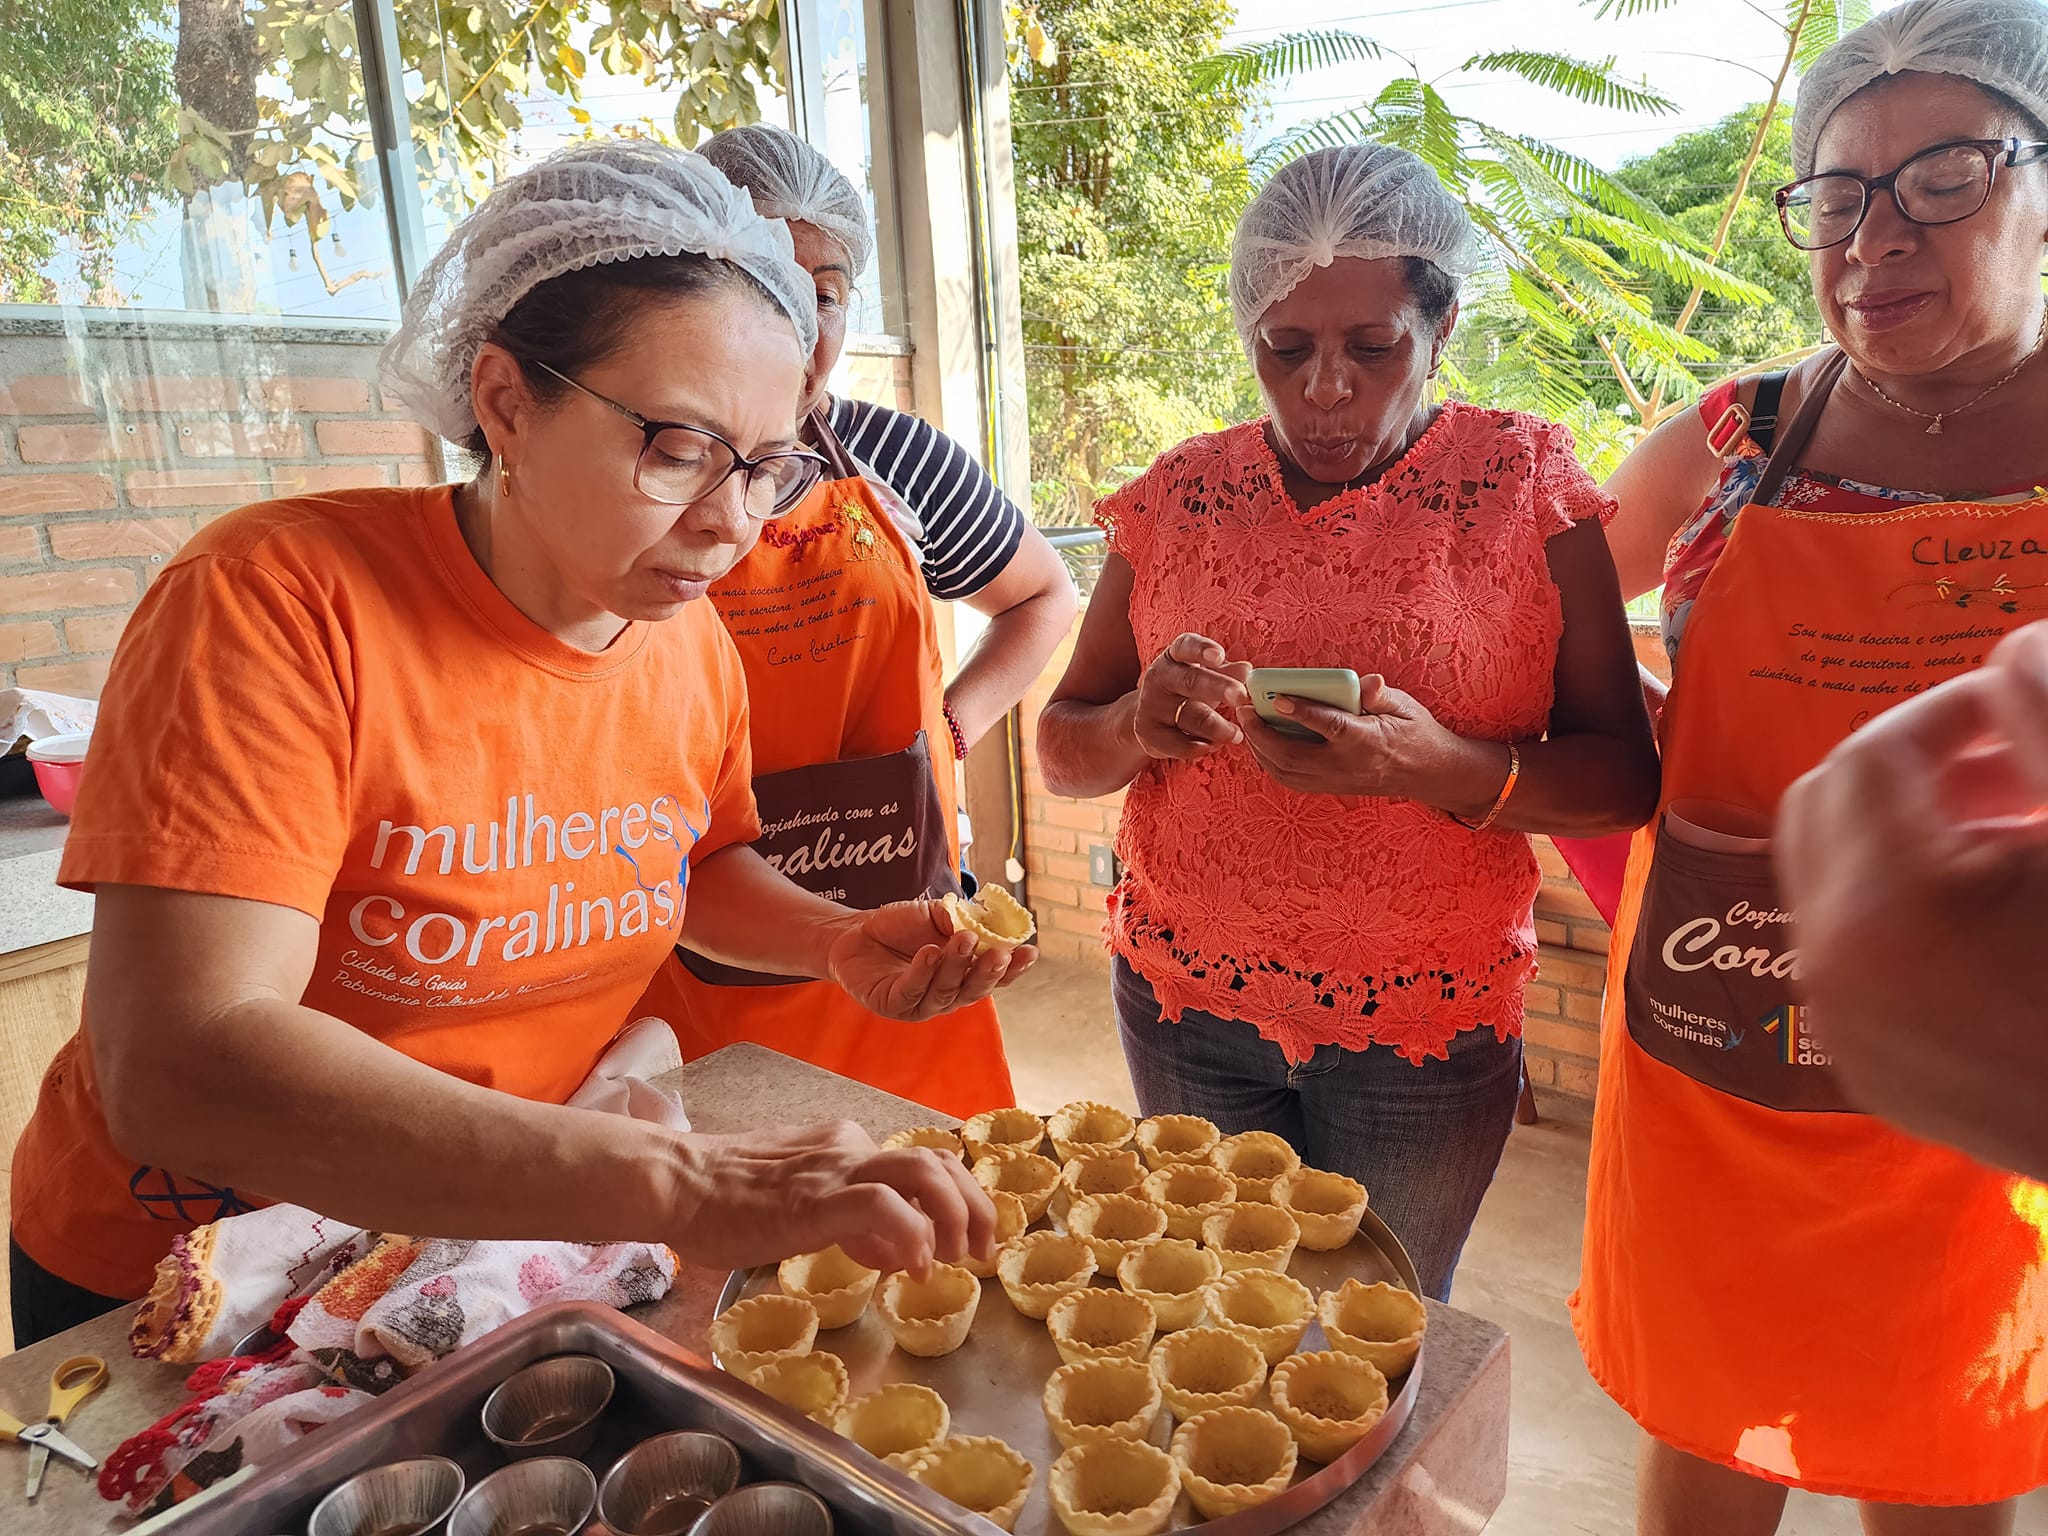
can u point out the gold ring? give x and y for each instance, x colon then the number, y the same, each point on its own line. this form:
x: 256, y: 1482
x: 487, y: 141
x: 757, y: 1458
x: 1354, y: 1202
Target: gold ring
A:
x: 1183, y: 704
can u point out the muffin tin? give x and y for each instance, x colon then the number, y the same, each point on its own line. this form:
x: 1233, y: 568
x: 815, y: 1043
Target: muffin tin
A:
x: 993, y: 1383
x: 795, y: 1478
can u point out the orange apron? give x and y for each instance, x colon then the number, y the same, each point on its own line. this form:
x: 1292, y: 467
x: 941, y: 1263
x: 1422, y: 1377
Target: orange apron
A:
x: 845, y: 689
x: 1770, y: 1281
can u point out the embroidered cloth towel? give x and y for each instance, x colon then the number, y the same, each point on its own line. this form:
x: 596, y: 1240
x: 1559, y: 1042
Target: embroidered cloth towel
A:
x: 354, y: 1312
x: 240, y: 1411
x: 622, y: 1083
x: 223, y: 1281
x: 400, y: 1305
x: 412, y: 1300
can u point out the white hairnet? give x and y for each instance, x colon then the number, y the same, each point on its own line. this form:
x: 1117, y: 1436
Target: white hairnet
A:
x: 2002, y: 44
x: 1366, y: 200
x: 789, y: 179
x: 612, y: 200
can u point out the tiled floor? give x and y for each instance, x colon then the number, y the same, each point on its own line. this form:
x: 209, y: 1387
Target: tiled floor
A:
x: 1571, y: 1450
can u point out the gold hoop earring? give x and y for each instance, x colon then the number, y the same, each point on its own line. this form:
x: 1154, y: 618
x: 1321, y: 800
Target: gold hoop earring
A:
x: 504, y: 480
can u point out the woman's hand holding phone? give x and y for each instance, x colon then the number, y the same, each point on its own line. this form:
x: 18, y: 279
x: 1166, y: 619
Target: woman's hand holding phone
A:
x: 1188, y: 700
x: 1392, y: 747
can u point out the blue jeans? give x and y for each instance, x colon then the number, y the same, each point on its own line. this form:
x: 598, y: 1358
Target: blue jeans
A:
x: 1424, y: 1141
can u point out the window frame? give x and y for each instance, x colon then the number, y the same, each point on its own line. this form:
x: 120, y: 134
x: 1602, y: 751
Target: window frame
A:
x: 404, y: 201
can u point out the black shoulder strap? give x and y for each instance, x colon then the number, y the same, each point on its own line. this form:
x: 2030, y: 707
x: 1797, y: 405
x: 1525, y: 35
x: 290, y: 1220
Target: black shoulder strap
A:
x: 1763, y: 414
x: 1785, y: 453
x: 818, y: 433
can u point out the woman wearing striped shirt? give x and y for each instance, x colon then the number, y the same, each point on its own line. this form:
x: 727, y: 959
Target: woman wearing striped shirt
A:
x: 855, y: 733
x: 977, y: 547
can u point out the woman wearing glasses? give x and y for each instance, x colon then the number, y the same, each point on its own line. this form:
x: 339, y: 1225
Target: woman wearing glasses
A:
x: 856, y: 735
x: 399, y: 797
x: 1783, y: 1292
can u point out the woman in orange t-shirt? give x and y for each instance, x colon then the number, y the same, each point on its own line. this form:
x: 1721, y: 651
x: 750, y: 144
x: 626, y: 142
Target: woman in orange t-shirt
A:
x: 856, y: 735
x: 398, y: 794
x: 1781, y: 1290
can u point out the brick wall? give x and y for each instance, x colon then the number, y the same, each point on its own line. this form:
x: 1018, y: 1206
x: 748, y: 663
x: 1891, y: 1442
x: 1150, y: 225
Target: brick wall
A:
x: 1057, y: 836
x: 119, y: 438
x: 1561, y: 1015
x: 1561, y: 1026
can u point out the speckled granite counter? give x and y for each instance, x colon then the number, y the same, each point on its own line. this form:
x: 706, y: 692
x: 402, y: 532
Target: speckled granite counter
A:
x: 1444, y: 1476
x: 33, y: 908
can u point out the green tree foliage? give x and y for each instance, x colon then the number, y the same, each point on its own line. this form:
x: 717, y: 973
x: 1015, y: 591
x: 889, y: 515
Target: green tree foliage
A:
x: 474, y: 61
x: 1576, y: 249
x: 87, y: 120
x: 1690, y: 179
x: 1129, y: 177
x: 109, y: 108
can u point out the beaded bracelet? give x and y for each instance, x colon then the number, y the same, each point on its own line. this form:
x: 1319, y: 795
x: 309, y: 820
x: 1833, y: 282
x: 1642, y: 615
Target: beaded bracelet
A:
x: 959, y: 736
x: 1507, y: 789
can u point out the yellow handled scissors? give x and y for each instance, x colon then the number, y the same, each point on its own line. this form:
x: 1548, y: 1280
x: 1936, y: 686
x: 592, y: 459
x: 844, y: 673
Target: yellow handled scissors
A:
x: 70, y: 1384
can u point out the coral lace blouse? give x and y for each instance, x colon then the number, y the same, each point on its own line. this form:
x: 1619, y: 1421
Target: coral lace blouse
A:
x: 1324, y: 919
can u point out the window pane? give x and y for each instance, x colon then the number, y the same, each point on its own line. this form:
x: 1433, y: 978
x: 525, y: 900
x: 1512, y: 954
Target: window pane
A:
x: 190, y: 155
x: 495, y: 88
x: 492, y: 90
x: 848, y: 123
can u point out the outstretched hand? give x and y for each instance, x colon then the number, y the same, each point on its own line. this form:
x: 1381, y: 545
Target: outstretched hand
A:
x: 903, y: 961
x: 1915, y: 860
x: 762, y: 1197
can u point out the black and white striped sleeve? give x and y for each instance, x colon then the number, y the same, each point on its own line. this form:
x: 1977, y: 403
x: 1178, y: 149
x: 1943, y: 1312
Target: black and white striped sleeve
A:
x: 971, y: 529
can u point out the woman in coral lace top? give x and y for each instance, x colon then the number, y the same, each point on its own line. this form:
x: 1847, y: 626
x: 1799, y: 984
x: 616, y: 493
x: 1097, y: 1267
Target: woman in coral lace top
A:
x: 1329, y: 939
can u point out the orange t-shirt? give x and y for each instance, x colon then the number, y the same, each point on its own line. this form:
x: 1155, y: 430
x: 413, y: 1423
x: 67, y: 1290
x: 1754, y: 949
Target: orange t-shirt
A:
x: 324, y: 703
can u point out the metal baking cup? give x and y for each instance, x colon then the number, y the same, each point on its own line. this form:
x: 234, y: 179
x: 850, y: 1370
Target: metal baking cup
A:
x: 541, y: 1496
x: 663, y: 1485
x: 767, y: 1509
x: 549, y: 1409
x: 400, y: 1498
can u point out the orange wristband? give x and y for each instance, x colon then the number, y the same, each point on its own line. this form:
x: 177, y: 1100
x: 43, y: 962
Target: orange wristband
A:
x: 1506, y: 790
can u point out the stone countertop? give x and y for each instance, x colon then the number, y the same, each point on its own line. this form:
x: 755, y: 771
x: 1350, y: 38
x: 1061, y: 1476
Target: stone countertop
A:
x: 34, y: 909
x: 1444, y: 1476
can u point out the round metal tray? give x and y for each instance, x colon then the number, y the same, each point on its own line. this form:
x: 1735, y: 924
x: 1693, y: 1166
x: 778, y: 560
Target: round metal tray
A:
x: 993, y: 1383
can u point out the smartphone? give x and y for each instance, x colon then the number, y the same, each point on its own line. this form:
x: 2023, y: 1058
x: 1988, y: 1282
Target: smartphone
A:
x: 1334, y: 686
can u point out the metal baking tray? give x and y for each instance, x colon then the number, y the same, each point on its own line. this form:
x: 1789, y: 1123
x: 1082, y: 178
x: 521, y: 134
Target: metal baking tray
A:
x: 661, y: 1386
x: 993, y: 1384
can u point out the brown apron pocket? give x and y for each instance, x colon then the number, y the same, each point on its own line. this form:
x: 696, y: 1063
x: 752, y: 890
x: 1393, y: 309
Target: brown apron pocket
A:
x: 1711, y: 984
x: 864, y: 832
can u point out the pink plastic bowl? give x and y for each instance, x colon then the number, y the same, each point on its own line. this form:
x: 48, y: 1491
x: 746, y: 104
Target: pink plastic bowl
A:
x: 59, y: 763
x: 59, y: 784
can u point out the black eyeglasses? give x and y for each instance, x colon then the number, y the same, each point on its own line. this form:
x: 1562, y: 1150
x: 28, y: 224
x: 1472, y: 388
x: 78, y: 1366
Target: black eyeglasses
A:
x: 680, y: 464
x: 1941, y: 185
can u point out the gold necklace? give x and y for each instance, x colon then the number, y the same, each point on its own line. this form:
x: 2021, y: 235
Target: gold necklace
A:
x: 1934, y: 418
